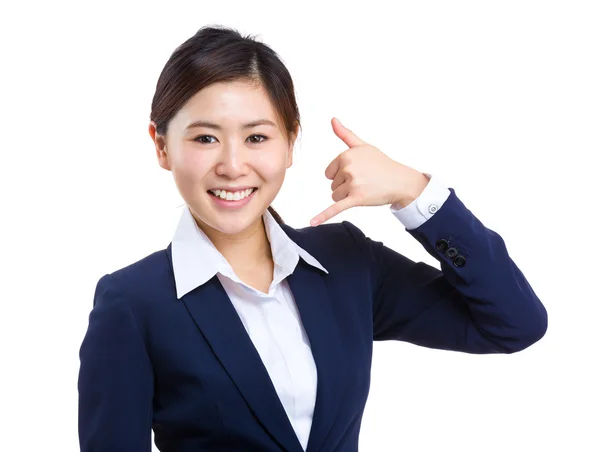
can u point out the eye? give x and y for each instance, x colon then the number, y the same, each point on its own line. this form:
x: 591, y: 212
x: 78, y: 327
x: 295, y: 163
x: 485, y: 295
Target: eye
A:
x: 200, y: 139
x: 264, y: 138
x: 203, y: 139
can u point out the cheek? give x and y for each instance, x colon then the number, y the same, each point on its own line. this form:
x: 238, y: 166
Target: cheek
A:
x: 190, y: 168
x: 271, y: 165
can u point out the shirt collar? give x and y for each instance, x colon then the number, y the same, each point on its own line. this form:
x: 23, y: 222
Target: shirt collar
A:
x: 196, y: 260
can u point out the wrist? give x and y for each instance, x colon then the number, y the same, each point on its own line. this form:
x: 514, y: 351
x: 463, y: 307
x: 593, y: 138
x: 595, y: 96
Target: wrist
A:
x: 416, y: 188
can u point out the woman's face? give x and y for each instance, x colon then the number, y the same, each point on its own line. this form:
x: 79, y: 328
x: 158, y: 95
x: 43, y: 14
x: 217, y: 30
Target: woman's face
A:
x: 228, y: 153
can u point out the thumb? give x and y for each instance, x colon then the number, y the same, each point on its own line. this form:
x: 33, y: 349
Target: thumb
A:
x: 345, y: 134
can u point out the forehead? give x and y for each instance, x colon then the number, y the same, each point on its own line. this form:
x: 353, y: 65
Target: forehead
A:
x: 227, y: 103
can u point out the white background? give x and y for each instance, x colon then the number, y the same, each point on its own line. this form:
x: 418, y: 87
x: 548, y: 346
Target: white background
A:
x: 501, y: 100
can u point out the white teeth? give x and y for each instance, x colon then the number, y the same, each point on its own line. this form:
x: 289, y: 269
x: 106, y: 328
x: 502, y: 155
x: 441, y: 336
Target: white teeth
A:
x: 232, y: 196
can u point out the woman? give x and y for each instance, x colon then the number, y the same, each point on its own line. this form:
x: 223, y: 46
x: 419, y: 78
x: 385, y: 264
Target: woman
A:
x: 246, y: 334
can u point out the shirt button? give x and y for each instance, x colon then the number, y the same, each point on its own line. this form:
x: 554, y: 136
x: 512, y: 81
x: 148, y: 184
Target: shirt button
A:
x: 433, y: 208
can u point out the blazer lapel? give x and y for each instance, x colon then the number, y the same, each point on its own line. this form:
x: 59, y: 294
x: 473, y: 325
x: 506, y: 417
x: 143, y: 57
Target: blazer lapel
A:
x: 220, y: 324
x: 314, y: 305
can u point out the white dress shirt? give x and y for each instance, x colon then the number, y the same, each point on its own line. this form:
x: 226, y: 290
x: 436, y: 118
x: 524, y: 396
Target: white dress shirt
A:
x: 271, y: 319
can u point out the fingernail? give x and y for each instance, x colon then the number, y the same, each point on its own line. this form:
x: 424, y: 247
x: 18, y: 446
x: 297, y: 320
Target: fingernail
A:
x: 338, y: 119
x: 314, y: 222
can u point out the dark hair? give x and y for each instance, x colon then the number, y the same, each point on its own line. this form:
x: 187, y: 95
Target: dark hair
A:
x: 220, y: 54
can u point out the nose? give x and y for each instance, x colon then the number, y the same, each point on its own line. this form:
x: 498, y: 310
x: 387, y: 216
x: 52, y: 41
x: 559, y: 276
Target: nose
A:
x: 233, y: 161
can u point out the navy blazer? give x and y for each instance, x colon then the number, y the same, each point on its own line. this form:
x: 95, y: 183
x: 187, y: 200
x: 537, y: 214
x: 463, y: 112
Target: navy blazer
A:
x: 188, y: 370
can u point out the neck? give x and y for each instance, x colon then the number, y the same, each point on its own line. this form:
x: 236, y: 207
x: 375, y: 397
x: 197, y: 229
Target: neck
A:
x: 246, y: 249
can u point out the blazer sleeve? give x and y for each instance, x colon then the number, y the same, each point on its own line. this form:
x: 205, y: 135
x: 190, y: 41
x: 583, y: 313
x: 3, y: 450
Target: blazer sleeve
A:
x: 116, y: 380
x: 480, y: 302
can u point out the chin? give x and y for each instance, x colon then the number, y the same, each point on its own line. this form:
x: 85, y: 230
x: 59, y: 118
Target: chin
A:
x: 232, y: 227
x: 231, y: 223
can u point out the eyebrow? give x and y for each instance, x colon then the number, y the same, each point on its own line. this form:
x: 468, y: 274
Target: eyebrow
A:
x: 248, y: 125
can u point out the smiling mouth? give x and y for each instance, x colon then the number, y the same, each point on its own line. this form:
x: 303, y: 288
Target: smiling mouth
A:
x: 232, y: 196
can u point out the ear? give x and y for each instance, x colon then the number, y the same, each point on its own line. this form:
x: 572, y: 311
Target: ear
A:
x: 160, y: 145
x: 290, y: 156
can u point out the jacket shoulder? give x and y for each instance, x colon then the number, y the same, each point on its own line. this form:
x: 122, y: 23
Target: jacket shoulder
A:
x: 329, y: 243
x: 144, y: 277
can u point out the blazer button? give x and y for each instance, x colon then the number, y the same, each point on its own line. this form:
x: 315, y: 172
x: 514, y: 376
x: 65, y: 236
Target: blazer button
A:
x: 451, y: 252
x: 442, y: 245
x: 459, y: 261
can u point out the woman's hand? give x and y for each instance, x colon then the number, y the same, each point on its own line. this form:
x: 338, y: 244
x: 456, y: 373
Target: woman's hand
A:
x: 364, y: 176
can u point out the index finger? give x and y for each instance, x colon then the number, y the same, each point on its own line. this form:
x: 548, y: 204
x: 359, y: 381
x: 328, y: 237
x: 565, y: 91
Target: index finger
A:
x: 333, y: 210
